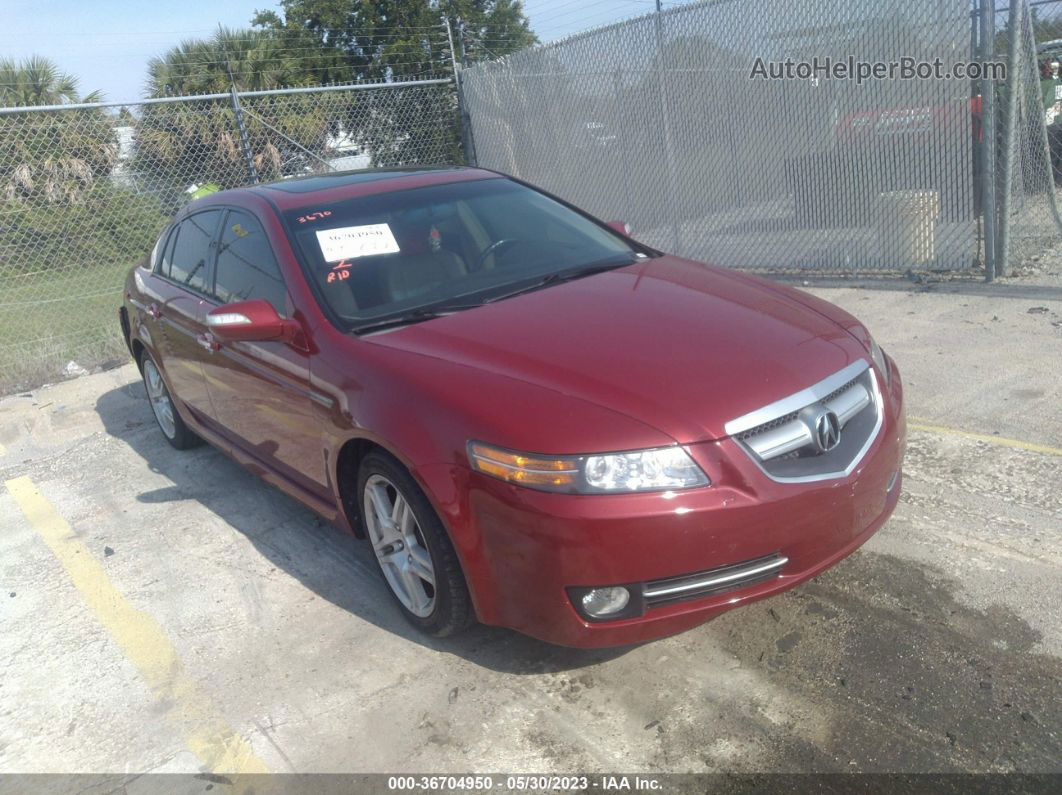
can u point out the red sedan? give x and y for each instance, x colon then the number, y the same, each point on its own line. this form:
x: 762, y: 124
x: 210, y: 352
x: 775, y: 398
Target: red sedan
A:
x: 536, y: 421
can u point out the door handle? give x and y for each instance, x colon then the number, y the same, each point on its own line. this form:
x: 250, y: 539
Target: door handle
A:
x: 154, y: 311
x: 208, y: 342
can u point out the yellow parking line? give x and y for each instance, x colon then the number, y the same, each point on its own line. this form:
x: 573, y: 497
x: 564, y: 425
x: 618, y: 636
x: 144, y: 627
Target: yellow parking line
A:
x: 920, y: 424
x: 3, y: 450
x: 142, y: 640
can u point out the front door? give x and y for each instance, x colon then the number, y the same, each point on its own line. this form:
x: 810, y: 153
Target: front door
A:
x: 261, y: 390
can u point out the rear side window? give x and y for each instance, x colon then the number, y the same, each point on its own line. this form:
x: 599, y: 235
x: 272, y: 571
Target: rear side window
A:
x: 189, y: 262
x: 156, y: 250
x: 246, y: 267
x: 162, y: 264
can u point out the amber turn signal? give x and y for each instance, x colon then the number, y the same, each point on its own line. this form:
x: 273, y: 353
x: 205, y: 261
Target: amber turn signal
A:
x: 526, y: 470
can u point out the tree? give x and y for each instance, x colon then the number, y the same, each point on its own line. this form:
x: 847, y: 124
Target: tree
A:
x: 379, y: 40
x: 182, y: 143
x: 488, y: 29
x: 60, y: 208
x: 38, y: 81
x: 397, y: 40
x: 394, y: 39
x: 252, y: 59
x: 50, y: 156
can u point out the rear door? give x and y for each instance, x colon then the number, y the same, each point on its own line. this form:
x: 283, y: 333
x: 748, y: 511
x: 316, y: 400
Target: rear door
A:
x: 261, y: 390
x: 183, y: 279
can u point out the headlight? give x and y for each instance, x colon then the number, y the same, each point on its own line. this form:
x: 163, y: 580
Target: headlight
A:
x: 608, y: 473
x: 878, y: 355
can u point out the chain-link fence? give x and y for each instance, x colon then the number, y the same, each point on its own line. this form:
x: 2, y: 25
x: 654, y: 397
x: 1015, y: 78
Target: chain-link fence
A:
x: 84, y: 191
x: 666, y: 121
x: 1028, y: 131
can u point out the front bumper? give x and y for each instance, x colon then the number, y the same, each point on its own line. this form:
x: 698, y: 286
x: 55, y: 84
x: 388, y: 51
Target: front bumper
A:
x: 523, y: 549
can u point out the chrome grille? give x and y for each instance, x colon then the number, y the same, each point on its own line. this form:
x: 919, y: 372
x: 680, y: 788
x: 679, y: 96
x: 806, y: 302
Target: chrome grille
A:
x: 789, y: 433
x: 767, y: 426
x: 793, y: 414
x: 779, y: 438
x: 713, y: 581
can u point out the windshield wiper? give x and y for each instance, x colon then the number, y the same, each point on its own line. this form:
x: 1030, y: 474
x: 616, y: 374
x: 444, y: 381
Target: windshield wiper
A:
x: 600, y: 266
x: 413, y: 316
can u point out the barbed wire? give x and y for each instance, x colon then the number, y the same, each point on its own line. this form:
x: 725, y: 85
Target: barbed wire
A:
x: 191, y: 32
x: 575, y: 7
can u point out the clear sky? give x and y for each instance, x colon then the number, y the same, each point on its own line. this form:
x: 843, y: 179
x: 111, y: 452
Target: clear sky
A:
x: 106, y: 43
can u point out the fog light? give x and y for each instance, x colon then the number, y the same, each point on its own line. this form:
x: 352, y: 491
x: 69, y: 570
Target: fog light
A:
x: 602, y: 602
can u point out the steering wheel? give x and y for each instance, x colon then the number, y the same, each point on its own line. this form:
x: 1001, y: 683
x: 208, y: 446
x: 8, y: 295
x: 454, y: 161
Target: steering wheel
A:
x: 493, y: 247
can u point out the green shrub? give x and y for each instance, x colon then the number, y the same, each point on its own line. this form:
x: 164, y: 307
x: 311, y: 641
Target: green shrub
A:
x: 107, y: 225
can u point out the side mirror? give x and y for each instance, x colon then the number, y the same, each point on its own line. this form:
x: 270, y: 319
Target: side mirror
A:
x: 255, y: 320
x: 622, y: 227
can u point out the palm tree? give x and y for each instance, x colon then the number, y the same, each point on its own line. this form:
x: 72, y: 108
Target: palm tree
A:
x: 52, y: 156
x: 251, y: 59
x: 37, y: 81
x: 197, y: 141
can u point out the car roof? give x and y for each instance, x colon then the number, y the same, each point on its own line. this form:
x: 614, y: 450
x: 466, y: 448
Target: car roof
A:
x: 300, y: 192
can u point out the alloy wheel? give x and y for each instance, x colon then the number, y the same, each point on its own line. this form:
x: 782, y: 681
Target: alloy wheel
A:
x: 160, y: 398
x: 397, y: 539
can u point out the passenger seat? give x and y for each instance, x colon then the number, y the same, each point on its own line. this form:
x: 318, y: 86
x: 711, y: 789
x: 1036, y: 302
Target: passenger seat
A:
x: 419, y: 269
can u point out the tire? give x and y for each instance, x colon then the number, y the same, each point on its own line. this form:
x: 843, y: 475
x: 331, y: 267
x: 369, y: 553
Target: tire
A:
x: 412, y: 548
x: 169, y: 420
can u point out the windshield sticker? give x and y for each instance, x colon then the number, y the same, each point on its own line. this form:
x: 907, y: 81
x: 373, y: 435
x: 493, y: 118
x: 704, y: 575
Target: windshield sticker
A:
x: 340, y: 272
x: 305, y: 219
x: 348, y: 242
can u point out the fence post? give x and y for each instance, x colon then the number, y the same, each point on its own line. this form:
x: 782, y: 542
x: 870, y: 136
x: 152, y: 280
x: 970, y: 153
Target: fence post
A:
x: 988, y: 139
x: 665, y: 118
x: 450, y: 42
x: 245, y: 141
x: 461, y: 41
x: 1015, y: 21
x: 467, y: 144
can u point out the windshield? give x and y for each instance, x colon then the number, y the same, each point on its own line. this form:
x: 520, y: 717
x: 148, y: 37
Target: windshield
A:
x: 399, y: 254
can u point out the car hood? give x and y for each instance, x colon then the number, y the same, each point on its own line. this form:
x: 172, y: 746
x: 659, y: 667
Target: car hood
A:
x: 679, y: 345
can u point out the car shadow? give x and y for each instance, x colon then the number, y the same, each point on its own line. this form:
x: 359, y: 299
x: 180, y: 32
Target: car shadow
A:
x: 328, y: 561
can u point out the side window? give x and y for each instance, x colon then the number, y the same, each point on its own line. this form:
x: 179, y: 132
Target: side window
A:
x: 162, y: 263
x: 190, y: 262
x: 246, y: 266
x: 156, y: 250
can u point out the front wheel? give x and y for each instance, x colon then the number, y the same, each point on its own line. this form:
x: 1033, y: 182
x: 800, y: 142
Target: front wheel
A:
x: 170, y: 423
x: 412, y: 549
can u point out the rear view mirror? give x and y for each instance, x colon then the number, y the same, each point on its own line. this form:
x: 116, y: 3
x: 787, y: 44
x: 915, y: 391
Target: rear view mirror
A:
x: 622, y: 227
x: 254, y: 320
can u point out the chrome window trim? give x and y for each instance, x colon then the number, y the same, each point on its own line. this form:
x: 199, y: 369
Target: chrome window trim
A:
x: 796, y: 401
x: 879, y: 405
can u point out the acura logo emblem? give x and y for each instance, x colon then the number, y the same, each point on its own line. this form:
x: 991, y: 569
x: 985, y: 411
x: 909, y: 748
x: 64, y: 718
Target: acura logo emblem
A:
x: 826, y: 430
